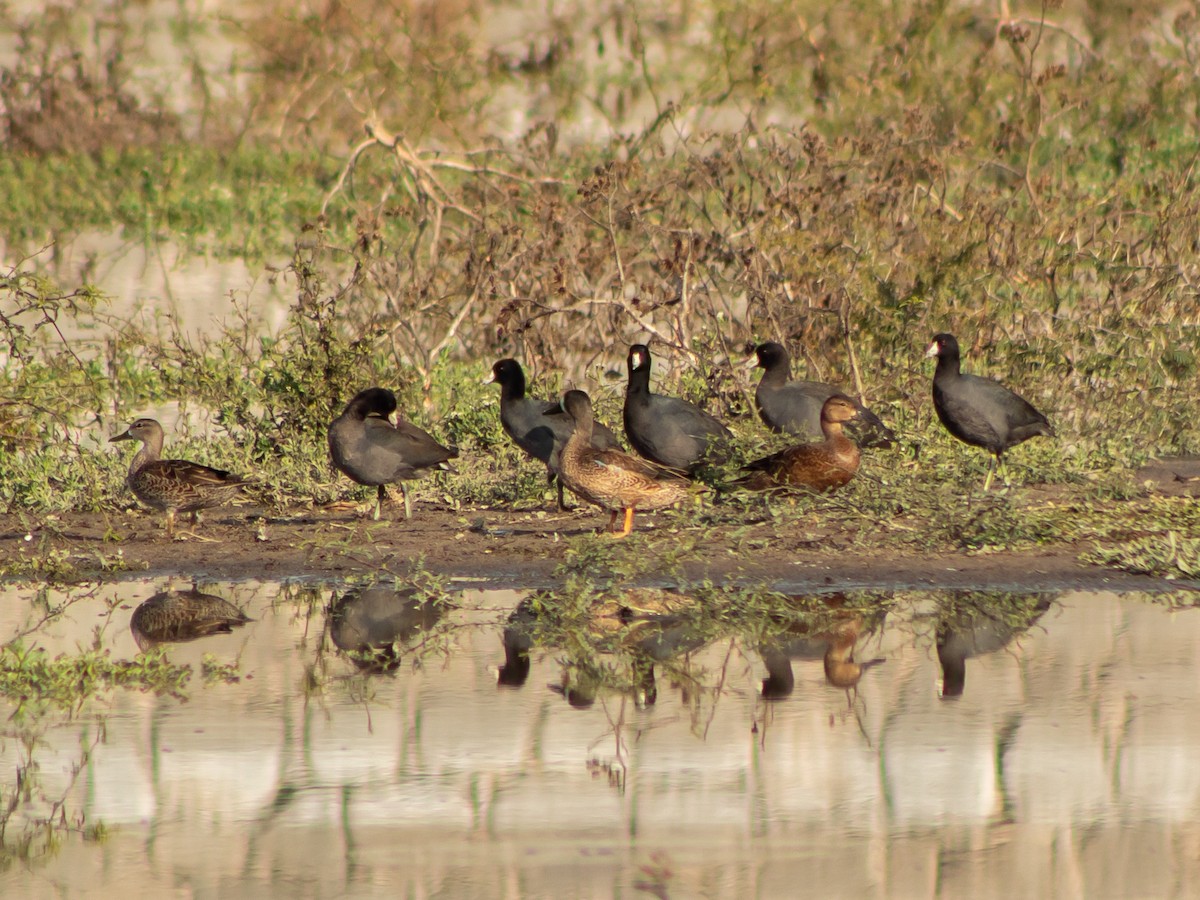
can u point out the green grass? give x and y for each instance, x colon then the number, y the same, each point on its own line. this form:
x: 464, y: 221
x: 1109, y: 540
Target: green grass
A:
x: 874, y: 173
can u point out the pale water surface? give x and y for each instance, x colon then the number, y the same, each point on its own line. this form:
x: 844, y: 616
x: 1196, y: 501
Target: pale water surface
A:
x: 1069, y: 766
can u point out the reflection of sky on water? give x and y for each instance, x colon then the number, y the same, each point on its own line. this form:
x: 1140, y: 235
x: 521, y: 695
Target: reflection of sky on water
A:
x: 1069, y: 743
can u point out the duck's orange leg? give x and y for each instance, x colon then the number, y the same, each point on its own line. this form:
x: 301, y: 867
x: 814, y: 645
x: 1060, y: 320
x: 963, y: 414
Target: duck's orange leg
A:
x: 628, y: 523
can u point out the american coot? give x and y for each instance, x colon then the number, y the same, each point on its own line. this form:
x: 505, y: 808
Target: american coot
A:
x: 174, y: 616
x: 795, y: 406
x: 978, y: 410
x: 365, y: 445
x: 612, y: 479
x: 819, y: 467
x: 173, y: 485
x: 668, y: 430
x: 525, y: 421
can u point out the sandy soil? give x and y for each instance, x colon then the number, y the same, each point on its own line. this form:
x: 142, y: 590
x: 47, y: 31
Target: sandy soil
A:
x: 503, y: 547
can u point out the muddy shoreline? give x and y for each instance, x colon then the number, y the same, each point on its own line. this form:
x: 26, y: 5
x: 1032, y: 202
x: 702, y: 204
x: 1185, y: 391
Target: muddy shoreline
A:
x: 501, y: 547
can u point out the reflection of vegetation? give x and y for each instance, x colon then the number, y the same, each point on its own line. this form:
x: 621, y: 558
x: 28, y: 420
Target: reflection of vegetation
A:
x: 32, y: 822
x: 614, y: 638
x: 31, y: 678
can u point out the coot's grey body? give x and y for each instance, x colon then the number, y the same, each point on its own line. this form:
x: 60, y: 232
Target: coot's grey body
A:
x: 668, y: 430
x: 366, y: 446
x: 980, y: 411
x: 795, y: 406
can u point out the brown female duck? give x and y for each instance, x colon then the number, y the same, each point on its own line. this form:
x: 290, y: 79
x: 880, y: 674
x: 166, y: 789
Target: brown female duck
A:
x: 612, y: 479
x: 173, y: 485
x: 823, y: 466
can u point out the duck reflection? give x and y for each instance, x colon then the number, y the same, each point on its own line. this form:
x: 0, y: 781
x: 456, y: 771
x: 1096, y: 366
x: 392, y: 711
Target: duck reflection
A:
x: 830, y: 635
x: 369, y: 624
x: 615, y: 649
x: 841, y: 669
x: 518, y: 641
x: 178, y: 616
x: 978, y: 624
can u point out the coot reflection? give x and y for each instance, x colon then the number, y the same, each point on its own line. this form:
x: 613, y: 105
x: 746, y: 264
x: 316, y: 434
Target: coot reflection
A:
x: 369, y: 624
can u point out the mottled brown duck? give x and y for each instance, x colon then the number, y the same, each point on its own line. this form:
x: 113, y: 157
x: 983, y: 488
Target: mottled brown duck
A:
x: 823, y: 466
x: 177, y: 616
x: 612, y: 479
x: 173, y: 485
x: 366, y: 446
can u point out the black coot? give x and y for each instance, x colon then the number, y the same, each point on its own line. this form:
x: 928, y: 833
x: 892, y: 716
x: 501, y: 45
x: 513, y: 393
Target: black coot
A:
x: 525, y: 420
x: 795, y: 406
x: 366, y: 446
x: 668, y: 430
x: 979, y: 410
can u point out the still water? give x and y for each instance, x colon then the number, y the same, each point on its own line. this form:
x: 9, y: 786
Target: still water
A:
x: 1052, y: 754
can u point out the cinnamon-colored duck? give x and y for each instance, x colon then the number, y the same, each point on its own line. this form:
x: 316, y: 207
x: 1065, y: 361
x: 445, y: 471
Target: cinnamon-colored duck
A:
x: 612, y: 479
x: 823, y: 466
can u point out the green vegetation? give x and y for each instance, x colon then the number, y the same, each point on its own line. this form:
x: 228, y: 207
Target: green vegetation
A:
x: 846, y: 179
x: 1171, y: 555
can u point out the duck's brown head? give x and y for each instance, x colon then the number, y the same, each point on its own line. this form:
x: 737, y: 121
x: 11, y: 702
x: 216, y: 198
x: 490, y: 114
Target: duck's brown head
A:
x: 840, y: 409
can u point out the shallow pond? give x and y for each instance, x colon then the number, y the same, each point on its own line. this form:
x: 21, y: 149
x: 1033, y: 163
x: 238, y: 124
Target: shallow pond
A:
x: 1054, y: 751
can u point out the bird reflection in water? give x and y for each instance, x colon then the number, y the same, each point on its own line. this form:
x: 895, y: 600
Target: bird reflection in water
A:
x: 841, y: 669
x: 518, y: 641
x: 976, y: 624
x: 614, y: 652
x: 370, y: 624
x: 178, y: 616
x: 833, y: 642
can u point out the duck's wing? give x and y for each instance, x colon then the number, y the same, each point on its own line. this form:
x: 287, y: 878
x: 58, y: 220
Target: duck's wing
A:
x: 184, y: 472
x: 618, y: 459
x: 782, y: 459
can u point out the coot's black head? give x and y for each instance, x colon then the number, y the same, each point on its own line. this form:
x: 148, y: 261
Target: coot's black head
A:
x: 943, y: 345
x: 639, y: 358
x: 507, y: 373
x: 374, y: 401
x: 770, y: 355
